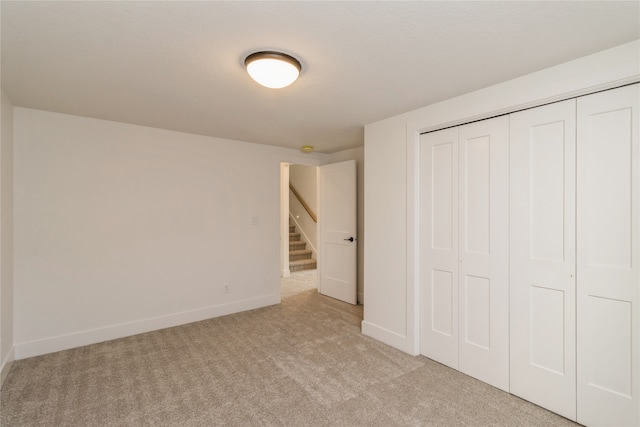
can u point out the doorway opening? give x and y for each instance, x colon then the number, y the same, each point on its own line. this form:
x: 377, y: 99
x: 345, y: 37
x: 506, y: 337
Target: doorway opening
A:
x: 299, y: 226
x: 321, y: 210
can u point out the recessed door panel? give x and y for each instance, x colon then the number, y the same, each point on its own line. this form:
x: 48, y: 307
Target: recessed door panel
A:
x: 477, y: 291
x: 442, y: 167
x: 546, y: 147
x: 442, y: 293
x: 546, y: 308
x: 608, y: 258
x: 542, y: 256
x: 610, y: 339
x: 477, y: 207
x: 338, y: 263
x: 608, y: 171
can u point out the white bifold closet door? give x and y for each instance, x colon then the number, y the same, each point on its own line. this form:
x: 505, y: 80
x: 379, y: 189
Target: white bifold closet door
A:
x: 542, y: 240
x: 464, y: 242
x: 608, y: 254
x: 439, y: 246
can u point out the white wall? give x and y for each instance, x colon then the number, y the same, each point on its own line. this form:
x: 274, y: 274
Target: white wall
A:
x: 7, y: 353
x: 356, y: 154
x: 391, y: 251
x: 305, y: 180
x: 385, y: 216
x: 121, y: 229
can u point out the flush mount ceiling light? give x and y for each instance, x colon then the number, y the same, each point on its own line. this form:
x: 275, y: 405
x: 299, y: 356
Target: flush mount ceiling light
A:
x: 273, y: 69
x: 306, y: 148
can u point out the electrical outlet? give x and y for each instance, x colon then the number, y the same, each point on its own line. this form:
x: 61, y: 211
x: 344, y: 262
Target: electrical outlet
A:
x: 227, y: 288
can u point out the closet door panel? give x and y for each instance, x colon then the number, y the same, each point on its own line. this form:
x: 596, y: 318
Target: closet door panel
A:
x: 484, y: 251
x: 542, y: 247
x: 439, y: 246
x: 608, y: 257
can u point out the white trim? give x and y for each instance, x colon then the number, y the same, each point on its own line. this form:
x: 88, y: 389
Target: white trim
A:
x: 601, y: 71
x: 6, y: 365
x: 93, y: 336
x: 413, y: 244
x: 386, y: 336
x: 527, y: 105
x: 284, y: 220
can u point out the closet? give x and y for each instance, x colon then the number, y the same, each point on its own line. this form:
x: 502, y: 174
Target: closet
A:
x: 530, y: 245
x: 465, y: 269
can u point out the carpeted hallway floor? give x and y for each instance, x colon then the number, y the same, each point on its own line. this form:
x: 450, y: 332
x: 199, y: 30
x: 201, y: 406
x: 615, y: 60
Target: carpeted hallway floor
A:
x: 300, y: 363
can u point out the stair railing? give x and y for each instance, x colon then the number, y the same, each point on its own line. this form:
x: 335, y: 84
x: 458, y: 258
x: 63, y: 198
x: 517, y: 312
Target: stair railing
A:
x: 304, y: 204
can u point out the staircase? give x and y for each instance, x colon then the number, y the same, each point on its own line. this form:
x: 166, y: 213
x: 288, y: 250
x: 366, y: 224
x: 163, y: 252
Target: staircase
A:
x: 299, y: 256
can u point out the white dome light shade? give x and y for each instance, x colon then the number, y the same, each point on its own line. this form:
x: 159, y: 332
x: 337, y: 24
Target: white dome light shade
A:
x: 273, y: 69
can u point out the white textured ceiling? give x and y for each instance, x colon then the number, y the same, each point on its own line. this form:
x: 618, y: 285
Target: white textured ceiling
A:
x: 179, y: 65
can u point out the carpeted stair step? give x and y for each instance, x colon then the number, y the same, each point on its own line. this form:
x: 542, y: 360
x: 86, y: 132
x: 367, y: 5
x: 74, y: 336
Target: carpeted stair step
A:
x: 297, y: 245
x: 303, y: 264
x: 299, y: 254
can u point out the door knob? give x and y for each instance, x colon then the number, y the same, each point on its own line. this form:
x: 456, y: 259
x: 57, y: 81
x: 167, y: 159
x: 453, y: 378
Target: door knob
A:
x: 351, y: 239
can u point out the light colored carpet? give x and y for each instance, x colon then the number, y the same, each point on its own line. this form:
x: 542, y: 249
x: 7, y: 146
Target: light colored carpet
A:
x: 301, y: 363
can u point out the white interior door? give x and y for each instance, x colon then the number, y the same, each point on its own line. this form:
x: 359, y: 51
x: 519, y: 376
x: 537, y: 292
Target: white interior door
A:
x: 439, y: 246
x: 337, y: 224
x: 608, y: 258
x: 483, y: 251
x: 543, y: 367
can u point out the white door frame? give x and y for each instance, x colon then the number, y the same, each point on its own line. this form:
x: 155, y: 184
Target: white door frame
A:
x: 303, y: 160
x: 284, y: 220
